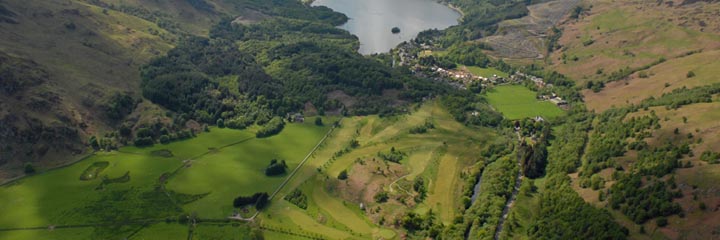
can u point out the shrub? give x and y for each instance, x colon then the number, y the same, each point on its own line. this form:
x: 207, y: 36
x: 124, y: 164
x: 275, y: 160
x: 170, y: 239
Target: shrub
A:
x: 661, y: 222
x: 262, y: 201
x: 183, y: 218
x: 70, y: 25
x: 381, y: 197
x: 239, y: 123
x: 29, y: 169
x: 354, y: 143
x: 276, y: 168
x: 143, y: 132
x: 392, y: 156
x: 343, y: 175
x: 94, y: 143
x: 710, y: 157
x: 164, y: 139
x: 272, y: 127
x: 422, y: 128
x: 258, y: 199
x: 144, y: 142
x: 298, y: 198
x: 690, y: 74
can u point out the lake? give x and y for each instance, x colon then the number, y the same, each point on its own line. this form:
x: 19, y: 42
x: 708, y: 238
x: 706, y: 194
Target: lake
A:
x: 372, y: 20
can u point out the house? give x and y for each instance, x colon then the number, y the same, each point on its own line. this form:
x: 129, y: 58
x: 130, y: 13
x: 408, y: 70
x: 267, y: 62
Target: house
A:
x: 538, y: 81
x: 298, y: 118
x: 295, y: 117
x: 558, y: 101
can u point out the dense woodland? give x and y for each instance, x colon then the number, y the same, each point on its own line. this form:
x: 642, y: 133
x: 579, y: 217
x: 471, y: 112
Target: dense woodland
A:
x: 245, y: 74
x: 560, y: 205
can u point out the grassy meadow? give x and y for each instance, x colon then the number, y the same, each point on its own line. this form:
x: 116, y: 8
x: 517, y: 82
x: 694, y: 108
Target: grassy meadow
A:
x: 200, y: 175
x: 139, y: 193
x: 230, y: 171
x: 485, y: 72
x: 516, y: 102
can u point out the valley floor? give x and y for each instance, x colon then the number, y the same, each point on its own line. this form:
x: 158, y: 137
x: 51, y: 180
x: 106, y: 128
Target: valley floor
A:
x: 142, y: 193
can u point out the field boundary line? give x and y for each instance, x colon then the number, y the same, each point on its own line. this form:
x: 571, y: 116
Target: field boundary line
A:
x: 87, y: 225
x: 292, y: 174
x: 18, y: 178
x: 219, y: 148
x: 302, y: 163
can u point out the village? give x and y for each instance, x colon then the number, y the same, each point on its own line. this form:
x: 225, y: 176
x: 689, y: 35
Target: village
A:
x: 461, y: 78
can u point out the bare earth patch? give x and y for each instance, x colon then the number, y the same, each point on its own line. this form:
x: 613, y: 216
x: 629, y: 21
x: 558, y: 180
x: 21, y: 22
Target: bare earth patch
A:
x: 528, y: 35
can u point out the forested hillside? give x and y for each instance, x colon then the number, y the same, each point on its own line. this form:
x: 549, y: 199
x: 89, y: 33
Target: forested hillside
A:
x: 82, y: 70
x: 644, y: 72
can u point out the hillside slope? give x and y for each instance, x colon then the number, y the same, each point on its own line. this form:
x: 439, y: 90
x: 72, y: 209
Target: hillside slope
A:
x: 639, y: 63
x: 639, y: 49
x: 80, y: 57
x: 527, y: 37
x: 70, y: 69
x: 90, y: 72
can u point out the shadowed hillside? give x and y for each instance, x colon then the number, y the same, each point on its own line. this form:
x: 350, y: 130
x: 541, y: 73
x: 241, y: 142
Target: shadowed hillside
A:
x: 71, y: 69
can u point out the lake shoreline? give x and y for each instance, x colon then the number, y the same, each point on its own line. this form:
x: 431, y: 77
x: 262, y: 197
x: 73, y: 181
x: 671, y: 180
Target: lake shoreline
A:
x: 374, y: 22
x: 454, y: 8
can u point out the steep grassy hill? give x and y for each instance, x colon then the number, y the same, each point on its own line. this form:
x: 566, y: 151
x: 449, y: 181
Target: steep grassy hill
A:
x: 639, y: 49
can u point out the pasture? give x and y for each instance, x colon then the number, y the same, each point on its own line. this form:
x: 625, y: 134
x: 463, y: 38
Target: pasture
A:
x: 200, y: 176
x: 517, y: 102
x: 484, y: 72
x: 228, y: 172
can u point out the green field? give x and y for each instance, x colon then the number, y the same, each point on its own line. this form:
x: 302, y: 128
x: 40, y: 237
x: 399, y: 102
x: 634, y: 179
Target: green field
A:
x: 517, y: 102
x: 201, y: 176
x: 240, y: 170
x: 333, y: 210
x: 485, y: 72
